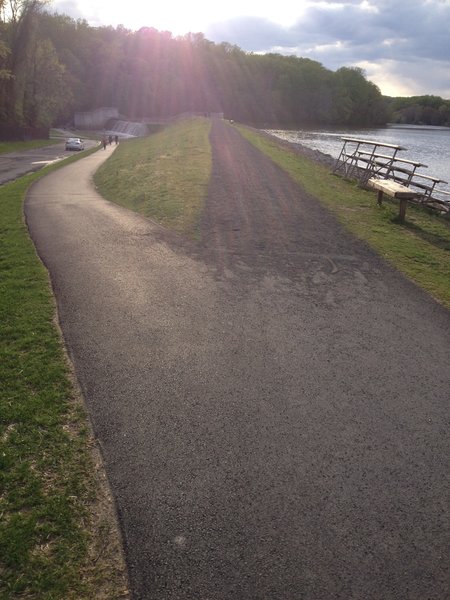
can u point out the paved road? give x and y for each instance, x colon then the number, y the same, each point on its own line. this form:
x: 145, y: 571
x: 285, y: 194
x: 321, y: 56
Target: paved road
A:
x: 16, y: 164
x: 273, y: 418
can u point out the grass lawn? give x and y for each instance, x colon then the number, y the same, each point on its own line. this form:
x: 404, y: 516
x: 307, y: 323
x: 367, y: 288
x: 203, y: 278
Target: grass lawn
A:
x: 164, y: 176
x: 420, y: 248
x: 18, y: 146
x: 55, y: 539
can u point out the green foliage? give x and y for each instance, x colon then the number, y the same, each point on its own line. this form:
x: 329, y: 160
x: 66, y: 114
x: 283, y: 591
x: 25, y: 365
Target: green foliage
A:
x: 36, y: 88
x: 61, y: 65
x: 52, y: 65
x: 419, y: 110
x: 4, y: 52
x: 360, y: 101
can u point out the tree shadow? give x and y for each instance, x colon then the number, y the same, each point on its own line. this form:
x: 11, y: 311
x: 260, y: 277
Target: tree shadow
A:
x: 436, y: 239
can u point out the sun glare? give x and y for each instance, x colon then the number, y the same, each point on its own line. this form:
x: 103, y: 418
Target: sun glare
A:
x: 180, y: 17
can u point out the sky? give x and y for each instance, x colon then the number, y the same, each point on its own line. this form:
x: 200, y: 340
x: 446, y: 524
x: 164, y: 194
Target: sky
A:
x: 403, y: 46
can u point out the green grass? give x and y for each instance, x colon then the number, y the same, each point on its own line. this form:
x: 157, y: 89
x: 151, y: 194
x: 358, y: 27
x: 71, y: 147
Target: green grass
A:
x: 164, y: 176
x: 19, y: 146
x: 49, y: 536
x: 420, y: 248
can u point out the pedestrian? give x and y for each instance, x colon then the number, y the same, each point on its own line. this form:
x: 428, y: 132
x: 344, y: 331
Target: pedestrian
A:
x: 116, y: 139
x: 110, y: 139
x: 104, y: 142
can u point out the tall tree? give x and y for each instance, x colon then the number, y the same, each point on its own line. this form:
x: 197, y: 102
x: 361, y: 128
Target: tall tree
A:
x: 47, y: 91
x: 20, y: 31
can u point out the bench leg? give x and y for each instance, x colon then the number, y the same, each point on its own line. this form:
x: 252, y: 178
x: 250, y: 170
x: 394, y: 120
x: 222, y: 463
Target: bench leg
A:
x: 380, y: 197
x: 402, y: 210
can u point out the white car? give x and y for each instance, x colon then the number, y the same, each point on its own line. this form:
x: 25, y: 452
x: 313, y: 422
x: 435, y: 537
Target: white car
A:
x: 74, y: 144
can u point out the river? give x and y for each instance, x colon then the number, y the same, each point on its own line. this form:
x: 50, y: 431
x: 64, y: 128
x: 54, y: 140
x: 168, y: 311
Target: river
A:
x: 429, y: 145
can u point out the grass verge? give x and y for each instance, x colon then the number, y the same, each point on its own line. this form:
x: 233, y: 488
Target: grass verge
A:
x: 420, y: 248
x: 164, y: 176
x: 55, y: 539
x: 20, y: 146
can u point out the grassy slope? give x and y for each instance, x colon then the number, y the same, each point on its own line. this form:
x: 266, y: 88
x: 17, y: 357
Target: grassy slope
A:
x: 420, y: 248
x: 49, y: 534
x: 164, y: 176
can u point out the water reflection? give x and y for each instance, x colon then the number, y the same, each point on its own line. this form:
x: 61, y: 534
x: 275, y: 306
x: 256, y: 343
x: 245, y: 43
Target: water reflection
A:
x: 429, y: 145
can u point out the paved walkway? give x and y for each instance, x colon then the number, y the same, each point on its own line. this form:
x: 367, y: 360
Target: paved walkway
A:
x: 272, y: 417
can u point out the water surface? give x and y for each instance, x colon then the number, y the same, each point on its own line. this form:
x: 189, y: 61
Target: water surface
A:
x: 429, y: 145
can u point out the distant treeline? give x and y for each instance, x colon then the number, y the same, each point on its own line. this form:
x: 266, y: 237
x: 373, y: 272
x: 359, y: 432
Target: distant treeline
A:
x: 419, y: 110
x: 52, y: 66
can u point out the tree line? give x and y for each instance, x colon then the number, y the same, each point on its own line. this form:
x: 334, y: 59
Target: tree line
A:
x: 419, y: 110
x: 52, y: 65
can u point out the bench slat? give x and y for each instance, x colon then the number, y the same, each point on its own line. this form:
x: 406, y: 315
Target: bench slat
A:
x: 393, y: 160
x: 372, y: 143
x: 393, y: 188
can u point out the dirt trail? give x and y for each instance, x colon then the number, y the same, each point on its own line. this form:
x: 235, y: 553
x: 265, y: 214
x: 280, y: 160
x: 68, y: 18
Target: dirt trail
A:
x: 255, y: 213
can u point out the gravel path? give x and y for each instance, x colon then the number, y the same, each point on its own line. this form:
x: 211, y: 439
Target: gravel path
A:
x: 256, y: 214
x: 271, y: 404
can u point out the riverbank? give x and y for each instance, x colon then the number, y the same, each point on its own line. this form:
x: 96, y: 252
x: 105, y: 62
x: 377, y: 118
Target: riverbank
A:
x: 321, y: 158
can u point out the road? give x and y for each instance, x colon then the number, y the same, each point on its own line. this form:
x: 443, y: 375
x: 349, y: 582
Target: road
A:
x: 16, y: 164
x: 271, y: 403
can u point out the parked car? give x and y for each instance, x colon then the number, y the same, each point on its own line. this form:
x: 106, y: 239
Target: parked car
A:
x: 74, y: 144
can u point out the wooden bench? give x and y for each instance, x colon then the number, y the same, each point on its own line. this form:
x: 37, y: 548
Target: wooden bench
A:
x: 394, y: 190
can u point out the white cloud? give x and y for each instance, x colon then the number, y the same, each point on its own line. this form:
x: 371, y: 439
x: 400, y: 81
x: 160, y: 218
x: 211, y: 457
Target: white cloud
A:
x: 384, y: 75
x: 404, y: 51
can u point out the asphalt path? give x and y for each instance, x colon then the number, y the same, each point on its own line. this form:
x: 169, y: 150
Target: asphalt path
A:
x: 269, y: 433
x: 16, y: 164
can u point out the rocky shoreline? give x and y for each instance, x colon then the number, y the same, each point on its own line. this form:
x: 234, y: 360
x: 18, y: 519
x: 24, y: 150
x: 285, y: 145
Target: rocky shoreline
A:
x: 316, y: 155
